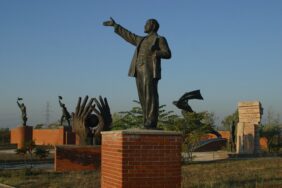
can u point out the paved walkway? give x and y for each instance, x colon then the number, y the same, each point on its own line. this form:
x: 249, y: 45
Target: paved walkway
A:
x: 14, y: 151
x: 21, y: 165
x: 208, y: 156
x: 45, y: 164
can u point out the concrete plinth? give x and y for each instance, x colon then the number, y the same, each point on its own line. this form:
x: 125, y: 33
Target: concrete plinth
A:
x: 141, y: 158
x: 247, y: 139
x: 21, y: 135
x: 248, y: 127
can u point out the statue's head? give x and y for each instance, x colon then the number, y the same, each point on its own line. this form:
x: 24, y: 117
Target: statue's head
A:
x: 151, y: 25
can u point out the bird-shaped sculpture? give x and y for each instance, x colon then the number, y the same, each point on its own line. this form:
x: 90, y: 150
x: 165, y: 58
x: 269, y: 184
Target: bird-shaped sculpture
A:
x: 182, y: 102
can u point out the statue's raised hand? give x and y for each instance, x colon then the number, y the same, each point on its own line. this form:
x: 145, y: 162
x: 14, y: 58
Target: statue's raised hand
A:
x: 110, y: 22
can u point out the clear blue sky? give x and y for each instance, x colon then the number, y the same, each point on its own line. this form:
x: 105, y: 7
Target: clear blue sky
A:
x: 231, y: 50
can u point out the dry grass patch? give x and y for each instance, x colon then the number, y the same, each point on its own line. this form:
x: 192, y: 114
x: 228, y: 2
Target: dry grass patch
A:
x: 43, y: 178
x: 253, y: 173
x: 260, y: 172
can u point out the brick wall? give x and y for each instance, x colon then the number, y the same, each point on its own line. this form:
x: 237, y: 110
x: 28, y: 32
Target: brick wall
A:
x: 48, y: 136
x: 224, y: 134
x: 60, y: 136
x: 135, y: 158
x: 21, y: 135
x: 77, y: 158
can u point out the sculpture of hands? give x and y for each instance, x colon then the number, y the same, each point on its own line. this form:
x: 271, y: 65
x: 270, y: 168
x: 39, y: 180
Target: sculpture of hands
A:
x: 82, y: 124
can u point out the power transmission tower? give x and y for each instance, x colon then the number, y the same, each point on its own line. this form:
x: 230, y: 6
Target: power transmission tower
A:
x: 47, y: 113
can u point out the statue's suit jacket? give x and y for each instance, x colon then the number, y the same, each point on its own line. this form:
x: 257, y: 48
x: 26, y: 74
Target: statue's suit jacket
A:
x: 159, y: 46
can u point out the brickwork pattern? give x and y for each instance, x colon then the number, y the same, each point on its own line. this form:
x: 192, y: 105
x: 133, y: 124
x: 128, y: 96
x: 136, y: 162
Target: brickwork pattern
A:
x: 58, y: 136
x: 141, y: 160
x: 224, y: 134
x: 77, y: 158
x: 48, y: 136
x: 21, y: 135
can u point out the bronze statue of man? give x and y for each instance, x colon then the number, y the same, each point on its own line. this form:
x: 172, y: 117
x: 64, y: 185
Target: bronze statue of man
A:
x: 146, y: 66
x: 65, y: 114
x: 23, y: 110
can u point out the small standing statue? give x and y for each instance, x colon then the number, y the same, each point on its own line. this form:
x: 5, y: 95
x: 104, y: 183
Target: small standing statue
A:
x: 233, y: 145
x: 146, y: 66
x: 65, y: 114
x: 23, y: 110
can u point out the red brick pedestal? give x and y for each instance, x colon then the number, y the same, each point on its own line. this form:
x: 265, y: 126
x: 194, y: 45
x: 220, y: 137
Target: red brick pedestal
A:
x: 21, y: 135
x: 141, y: 158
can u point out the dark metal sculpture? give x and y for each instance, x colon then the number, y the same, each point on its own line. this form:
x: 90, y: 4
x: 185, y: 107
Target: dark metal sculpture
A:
x: 146, y: 66
x: 23, y: 110
x: 182, y: 102
x: 88, y: 125
x: 65, y: 114
x: 233, y: 136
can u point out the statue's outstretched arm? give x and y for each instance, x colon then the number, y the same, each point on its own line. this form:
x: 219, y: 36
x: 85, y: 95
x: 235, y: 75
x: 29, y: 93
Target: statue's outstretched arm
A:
x: 124, y: 33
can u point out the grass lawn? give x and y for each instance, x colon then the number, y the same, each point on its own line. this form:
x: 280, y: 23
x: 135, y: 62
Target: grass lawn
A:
x: 43, y: 178
x: 258, y: 172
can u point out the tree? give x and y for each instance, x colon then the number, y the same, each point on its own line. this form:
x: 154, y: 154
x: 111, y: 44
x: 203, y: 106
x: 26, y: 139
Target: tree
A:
x: 54, y: 125
x: 228, y: 120
x: 272, y: 117
x: 166, y: 118
x: 41, y: 152
x: 134, y: 118
x: 271, y: 131
x: 193, y: 126
x: 25, y: 151
x: 128, y: 119
x: 4, y: 135
x: 39, y: 126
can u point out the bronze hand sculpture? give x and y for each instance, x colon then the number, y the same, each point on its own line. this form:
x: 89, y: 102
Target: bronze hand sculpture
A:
x: 88, y: 126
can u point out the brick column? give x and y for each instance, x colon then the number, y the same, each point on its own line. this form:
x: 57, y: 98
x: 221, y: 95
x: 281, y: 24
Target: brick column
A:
x: 141, y: 158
